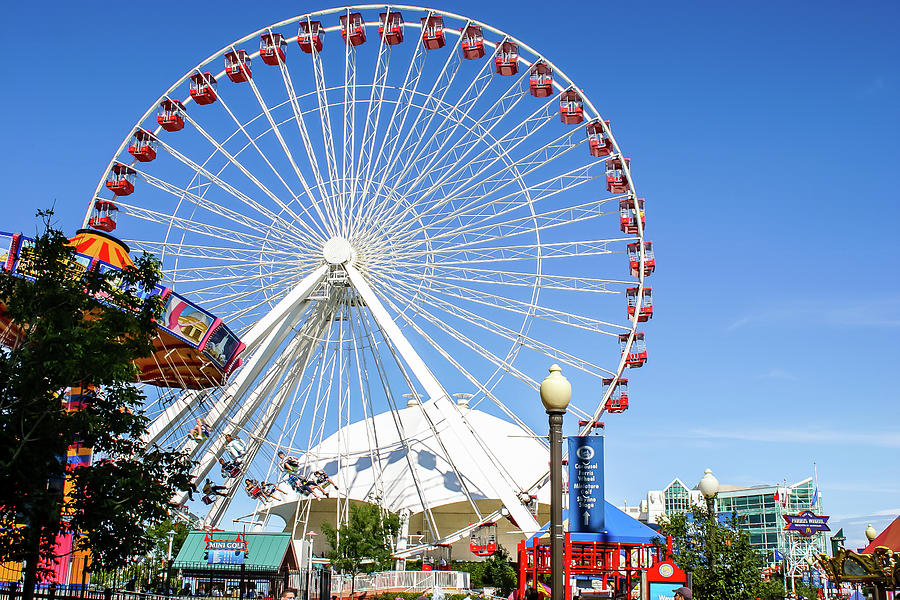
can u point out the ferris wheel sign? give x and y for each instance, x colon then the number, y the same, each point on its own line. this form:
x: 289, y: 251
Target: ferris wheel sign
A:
x: 806, y: 523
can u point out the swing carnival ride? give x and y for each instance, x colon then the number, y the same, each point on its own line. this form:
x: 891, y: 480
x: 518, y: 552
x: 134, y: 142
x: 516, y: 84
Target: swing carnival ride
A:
x: 392, y: 207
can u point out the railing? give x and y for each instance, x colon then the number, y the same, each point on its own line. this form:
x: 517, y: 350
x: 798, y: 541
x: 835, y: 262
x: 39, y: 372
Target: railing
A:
x: 87, y: 594
x: 408, y: 581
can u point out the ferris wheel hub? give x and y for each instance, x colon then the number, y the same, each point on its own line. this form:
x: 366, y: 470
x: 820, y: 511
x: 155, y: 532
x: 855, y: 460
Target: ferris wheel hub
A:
x: 337, y: 250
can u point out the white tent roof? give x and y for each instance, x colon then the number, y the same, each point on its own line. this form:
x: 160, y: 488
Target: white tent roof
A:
x: 370, y: 458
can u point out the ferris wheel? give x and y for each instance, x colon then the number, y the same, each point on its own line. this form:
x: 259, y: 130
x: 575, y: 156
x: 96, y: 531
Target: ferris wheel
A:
x: 384, y: 202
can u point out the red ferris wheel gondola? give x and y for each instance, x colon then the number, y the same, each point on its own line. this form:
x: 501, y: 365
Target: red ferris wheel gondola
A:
x: 645, y: 313
x: 433, y: 32
x: 142, y: 146
x: 170, y: 115
x: 237, y: 66
x: 618, y: 398
x: 203, y: 88
x: 272, y: 48
x: 637, y: 354
x: 472, y: 42
x: 506, y: 60
x: 571, y: 107
x: 353, y: 29
x: 390, y: 27
x: 310, y: 36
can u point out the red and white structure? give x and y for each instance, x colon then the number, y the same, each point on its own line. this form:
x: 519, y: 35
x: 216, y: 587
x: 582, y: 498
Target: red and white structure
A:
x: 392, y: 201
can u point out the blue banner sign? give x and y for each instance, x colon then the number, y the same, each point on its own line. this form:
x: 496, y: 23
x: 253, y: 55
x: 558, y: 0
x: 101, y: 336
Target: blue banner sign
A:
x: 587, y: 506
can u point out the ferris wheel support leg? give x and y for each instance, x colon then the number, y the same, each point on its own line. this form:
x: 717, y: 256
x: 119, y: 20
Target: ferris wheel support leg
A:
x: 300, y: 353
x: 287, y: 305
x: 440, y: 401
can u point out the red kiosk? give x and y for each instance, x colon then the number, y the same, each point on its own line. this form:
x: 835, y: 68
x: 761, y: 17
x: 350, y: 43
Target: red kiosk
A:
x: 600, y: 564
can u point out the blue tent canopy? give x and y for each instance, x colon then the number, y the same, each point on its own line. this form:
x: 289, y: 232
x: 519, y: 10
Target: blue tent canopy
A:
x: 620, y: 528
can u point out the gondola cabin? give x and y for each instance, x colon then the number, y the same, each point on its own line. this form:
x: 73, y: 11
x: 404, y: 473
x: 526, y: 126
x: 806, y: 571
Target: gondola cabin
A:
x: 645, y: 313
x: 618, y: 398
x: 353, y: 29
x: 203, y: 88
x: 142, y: 146
x: 571, y: 108
x: 637, y: 354
x: 483, y: 540
x: 433, y: 32
x: 272, y: 48
x: 390, y: 27
x: 437, y: 558
x: 120, y: 180
x: 170, y: 115
x: 599, y: 142
x: 634, y: 259
x: 616, y: 182
x: 310, y: 36
x: 237, y: 66
x: 628, y: 216
x: 472, y: 42
x: 506, y: 59
x: 540, y: 80
x: 103, y: 216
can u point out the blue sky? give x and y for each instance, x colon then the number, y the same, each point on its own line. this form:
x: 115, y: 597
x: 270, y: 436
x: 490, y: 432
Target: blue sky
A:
x: 765, y: 142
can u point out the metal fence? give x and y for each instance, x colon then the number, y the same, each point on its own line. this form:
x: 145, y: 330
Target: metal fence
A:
x: 407, y: 581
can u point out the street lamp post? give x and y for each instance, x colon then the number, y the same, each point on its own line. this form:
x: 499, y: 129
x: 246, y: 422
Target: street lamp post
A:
x: 171, y: 535
x: 555, y: 394
x: 709, y: 487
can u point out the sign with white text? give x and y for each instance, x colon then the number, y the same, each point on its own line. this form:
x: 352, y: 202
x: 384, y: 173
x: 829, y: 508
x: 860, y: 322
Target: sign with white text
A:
x: 587, y: 506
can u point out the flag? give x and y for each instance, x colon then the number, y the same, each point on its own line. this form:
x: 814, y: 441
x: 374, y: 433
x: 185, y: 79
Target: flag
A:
x: 776, y: 494
x: 778, y: 556
x: 815, y: 496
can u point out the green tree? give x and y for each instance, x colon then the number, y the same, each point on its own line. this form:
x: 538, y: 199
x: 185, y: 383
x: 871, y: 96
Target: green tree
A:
x: 66, y: 337
x: 499, y: 573
x: 365, y: 542
x: 724, y: 564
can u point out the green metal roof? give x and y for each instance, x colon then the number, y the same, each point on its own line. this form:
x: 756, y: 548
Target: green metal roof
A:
x: 265, y: 550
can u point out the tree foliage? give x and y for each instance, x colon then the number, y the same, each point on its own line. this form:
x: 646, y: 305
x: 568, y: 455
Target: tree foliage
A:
x: 496, y: 571
x: 365, y: 542
x: 724, y: 564
x: 68, y: 337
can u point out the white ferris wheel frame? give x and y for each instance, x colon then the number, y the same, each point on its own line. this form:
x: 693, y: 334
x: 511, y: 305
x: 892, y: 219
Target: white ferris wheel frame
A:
x: 268, y: 334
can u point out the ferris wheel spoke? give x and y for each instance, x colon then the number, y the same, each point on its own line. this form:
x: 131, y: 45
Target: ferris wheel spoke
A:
x: 327, y: 137
x: 440, y: 348
x: 467, y: 172
x: 458, y: 238
x: 514, y: 278
x: 230, y: 274
x: 308, y: 145
x: 246, y: 200
x: 314, y: 202
x: 204, y: 203
x: 466, y: 254
x: 398, y: 424
x: 557, y: 317
x: 220, y: 254
x: 516, y: 337
x: 232, y: 159
x: 191, y: 226
x: 525, y: 198
x: 452, y: 115
x: 442, y: 160
x: 369, y: 138
x: 252, y: 141
x: 395, y: 124
x: 401, y: 142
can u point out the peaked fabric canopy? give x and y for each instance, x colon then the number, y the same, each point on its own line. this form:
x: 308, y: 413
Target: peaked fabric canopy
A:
x: 620, y: 528
x: 890, y: 537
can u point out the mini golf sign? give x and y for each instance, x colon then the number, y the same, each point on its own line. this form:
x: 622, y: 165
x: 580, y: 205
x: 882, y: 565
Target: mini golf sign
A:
x: 806, y: 523
x: 226, y: 552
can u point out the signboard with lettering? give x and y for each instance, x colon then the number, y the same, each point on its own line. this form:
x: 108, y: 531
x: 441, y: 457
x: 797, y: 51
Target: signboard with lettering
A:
x: 587, y: 506
x: 226, y: 552
x: 806, y: 523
